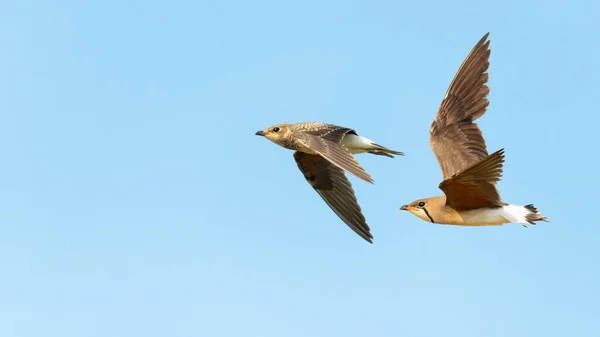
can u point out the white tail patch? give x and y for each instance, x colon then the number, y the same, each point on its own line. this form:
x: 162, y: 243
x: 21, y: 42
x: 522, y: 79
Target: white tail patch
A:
x: 527, y: 214
x: 357, y: 144
x: 515, y: 214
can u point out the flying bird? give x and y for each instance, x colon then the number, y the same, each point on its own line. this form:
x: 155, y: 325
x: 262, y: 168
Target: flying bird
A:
x: 469, y: 173
x: 323, y: 152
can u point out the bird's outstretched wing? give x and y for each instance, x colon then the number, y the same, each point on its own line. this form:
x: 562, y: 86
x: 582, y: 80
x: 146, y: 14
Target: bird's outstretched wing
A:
x: 475, y: 187
x: 325, y: 140
x: 333, y: 186
x: 455, y: 139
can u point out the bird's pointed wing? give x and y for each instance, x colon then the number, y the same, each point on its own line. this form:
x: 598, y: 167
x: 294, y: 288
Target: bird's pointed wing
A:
x: 455, y: 139
x: 333, y: 186
x: 475, y: 187
x: 325, y: 139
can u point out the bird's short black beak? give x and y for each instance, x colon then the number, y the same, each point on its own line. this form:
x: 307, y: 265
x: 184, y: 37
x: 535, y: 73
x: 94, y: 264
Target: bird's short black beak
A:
x: 260, y: 133
x: 404, y: 208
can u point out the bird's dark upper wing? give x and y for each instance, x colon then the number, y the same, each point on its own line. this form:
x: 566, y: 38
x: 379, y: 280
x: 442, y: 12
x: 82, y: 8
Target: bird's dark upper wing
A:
x: 475, y: 187
x: 454, y: 137
x: 333, y: 186
x: 325, y: 139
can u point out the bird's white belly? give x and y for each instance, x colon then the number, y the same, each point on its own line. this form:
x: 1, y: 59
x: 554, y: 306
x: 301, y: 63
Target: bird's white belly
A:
x: 495, y: 216
x: 357, y: 144
x: 485, y: 217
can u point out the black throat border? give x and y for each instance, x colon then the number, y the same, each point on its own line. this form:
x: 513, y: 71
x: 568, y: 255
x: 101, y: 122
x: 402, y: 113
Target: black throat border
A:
x: 429, y: 216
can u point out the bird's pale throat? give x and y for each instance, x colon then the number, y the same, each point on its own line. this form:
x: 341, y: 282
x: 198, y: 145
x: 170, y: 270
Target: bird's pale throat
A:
x: 429, y: 216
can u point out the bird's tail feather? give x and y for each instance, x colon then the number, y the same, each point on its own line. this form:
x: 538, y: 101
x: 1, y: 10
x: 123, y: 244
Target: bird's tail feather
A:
x: 534, y: 215
x: 527, y: 214
x: 384, y: 151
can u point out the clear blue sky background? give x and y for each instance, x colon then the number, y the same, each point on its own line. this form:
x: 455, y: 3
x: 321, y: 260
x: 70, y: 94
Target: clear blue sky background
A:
x: 135, y: 199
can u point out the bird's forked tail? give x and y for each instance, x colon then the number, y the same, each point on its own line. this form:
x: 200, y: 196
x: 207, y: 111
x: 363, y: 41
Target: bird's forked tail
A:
x: 533, y: 215
x: 384, y: 151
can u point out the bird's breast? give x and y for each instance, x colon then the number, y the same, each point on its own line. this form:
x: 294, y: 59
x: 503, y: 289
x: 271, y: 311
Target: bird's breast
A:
x: 289, y: 144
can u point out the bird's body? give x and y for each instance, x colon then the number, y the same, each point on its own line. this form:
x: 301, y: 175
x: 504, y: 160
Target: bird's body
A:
x: 350, y: 140
x: 354, y: 143
x: 323, y: 152
x: 470, y: 174
x: 489, y: 216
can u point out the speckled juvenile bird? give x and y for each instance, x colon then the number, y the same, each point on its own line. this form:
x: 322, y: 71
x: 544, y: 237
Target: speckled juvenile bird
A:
x: 323, y: 153
x: 470, y: 174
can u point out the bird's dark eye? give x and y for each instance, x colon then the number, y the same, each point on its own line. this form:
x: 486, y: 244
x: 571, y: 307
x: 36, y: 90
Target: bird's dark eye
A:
x: 275, y: 129
x: 421, y: 204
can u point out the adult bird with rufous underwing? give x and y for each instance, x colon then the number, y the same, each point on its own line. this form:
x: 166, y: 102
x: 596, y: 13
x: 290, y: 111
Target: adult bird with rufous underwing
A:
x: 470, y: 174
x: 323, y: 152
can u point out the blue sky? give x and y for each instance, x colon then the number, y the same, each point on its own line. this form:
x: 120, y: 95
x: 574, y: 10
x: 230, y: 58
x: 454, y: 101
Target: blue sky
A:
x: 137, y: 201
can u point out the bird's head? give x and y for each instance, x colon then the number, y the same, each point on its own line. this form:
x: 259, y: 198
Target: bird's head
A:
x: 421, y: 208
x: 277, y: 133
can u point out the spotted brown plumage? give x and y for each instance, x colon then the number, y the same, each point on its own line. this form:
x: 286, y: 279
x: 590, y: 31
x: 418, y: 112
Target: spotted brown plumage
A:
x: 326, y: 140
x: 323, y: 152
